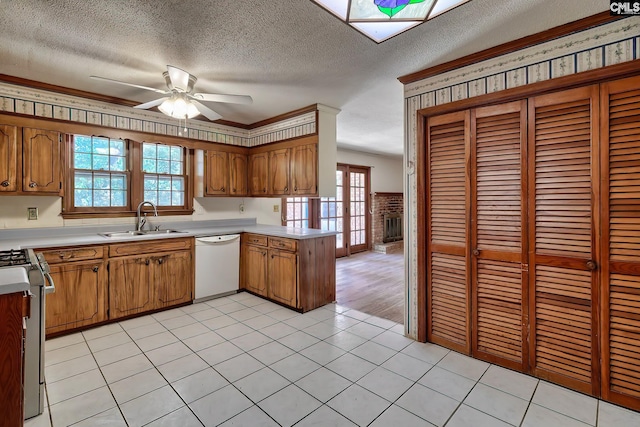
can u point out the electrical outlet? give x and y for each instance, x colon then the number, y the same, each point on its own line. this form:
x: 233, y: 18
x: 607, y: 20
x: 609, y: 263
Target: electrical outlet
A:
x: 32, y: 214
x: 276, y: 208
x: 241, y: 207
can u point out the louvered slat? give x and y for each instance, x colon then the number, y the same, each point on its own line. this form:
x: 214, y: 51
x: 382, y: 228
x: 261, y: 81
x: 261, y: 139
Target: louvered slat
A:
x: 624, y: 340
x: 447, y: 165
x: 563, y: 155
x: 563, y: 321
x: 498, y: 187
x: 499, y: 315
x: 624, y: 176
x: 448, y: 297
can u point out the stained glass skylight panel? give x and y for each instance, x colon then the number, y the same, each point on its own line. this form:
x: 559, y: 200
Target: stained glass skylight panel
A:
x: 382, y: 19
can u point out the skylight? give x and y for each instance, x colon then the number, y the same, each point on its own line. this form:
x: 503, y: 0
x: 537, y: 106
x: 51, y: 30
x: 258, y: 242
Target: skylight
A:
x: 382, y: 19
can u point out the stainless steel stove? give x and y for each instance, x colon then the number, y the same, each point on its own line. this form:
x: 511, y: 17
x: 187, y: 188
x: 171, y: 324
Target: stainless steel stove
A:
x: 41, y: 284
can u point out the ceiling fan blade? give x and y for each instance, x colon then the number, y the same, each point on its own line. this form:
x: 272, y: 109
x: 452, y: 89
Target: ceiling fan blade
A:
x: 128, y: 84
x: 151, y: 104
x: 206, y: 111
x: 218, y: 97
x: 179, y: 78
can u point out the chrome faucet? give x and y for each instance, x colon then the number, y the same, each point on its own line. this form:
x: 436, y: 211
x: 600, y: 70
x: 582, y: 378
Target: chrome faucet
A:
x: 141, y: 221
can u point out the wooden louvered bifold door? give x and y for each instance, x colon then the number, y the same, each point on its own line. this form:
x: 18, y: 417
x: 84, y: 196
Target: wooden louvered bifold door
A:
x: 448, y: 311
x: 498, y: 222
x: 563, y: 208
x: 621, y: 242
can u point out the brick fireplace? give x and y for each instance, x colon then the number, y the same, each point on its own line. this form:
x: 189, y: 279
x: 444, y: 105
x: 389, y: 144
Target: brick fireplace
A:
x: 387, y: 207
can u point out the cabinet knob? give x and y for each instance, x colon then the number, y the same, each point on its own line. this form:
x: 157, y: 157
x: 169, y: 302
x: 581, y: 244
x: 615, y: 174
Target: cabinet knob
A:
x: 295, y: 188
x: 95, y: 269
x: 33, y: 184
x: 264, y: 190
x: 286, y: 188
x: 160, y: 260
x: 591, y: 265
x: 476, y: 252
x: 5, y: 183
x: 146, y: 261
x: 222, y: 189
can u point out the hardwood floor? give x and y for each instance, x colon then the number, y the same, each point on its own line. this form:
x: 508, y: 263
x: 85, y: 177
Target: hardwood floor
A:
x: 372, y: 283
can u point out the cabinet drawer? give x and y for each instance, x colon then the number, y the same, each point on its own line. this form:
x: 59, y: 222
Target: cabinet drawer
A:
x: 256, y: 239
x: 54, y: 256
x: 284, y: 244
x: 149, y: 246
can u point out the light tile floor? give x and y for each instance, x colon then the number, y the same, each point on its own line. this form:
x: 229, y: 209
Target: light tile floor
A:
x: 243, y: 361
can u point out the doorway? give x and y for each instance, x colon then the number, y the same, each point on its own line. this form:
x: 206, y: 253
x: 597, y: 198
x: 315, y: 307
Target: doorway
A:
x: 347, y: 212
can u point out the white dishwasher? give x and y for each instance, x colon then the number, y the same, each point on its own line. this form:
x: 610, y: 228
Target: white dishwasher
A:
x: 217, y: 266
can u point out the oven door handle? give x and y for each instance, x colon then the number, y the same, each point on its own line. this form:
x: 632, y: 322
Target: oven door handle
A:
x: 52, y: 286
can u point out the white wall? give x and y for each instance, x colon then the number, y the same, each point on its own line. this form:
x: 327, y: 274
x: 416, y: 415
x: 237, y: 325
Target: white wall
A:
x: 386, y: 171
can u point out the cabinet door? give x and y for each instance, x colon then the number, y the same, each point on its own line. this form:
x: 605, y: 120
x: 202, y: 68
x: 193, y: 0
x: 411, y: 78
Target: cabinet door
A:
x: 237, y: 174
x: 173, y: 278
x: 258, y: 174
x: 563, y: 208
x: 279, y: 171
x: 80, y: 298
x: 498, y: 229
x: 217, y: 174
x: 448, y: 310
x: 305, y: 170
x: 620, y: 266
x: 41, y: 161
x: 12, y: 357
x: 283, y: 277
x: 130, y: 288
x: 254, y: 265
x: 8, y: 158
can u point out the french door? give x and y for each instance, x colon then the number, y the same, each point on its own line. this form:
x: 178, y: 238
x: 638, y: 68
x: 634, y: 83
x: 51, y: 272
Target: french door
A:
x: 347, y: 212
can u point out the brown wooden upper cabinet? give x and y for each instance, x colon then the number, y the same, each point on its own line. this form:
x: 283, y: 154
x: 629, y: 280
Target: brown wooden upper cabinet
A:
x: 36, y: 159
x: 279, y: 171
x: 259, y: 174
x: 8, y: 158
x: 304, y: 165
x: 238, y: 171
x: 217, y: 183
x: 41, y: 161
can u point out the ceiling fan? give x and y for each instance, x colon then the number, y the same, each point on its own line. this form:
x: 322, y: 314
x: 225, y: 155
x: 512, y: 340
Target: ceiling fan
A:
x: 179, y: 101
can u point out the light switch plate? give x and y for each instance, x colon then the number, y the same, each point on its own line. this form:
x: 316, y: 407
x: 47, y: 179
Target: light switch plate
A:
x: 276, y: 208
x: 32, y: 214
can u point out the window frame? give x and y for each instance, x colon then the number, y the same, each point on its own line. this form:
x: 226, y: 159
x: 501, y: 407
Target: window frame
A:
x: 135, y: 181
x: 188, y: 198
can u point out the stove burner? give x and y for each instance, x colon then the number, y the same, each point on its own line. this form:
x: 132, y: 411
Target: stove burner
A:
x: 13, y: 257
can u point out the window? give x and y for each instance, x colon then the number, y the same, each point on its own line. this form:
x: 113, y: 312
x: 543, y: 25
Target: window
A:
x: 100, y: 177
x: 164, y: 180
x: 296, y: 212
x: 110, y: 176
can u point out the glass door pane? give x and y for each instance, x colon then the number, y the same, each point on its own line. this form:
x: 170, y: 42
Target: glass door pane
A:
x: 358, y: 210
x: 332, y: 210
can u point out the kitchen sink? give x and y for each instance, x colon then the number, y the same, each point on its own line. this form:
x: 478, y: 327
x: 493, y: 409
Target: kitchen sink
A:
x: 168, y: 231
x: 133, y: 233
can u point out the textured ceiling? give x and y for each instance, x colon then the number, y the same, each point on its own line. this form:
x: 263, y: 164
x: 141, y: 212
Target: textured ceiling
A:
x: 286, y: 54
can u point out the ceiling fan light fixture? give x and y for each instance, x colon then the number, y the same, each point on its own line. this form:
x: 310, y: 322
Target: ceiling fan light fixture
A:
x: 178, y: 107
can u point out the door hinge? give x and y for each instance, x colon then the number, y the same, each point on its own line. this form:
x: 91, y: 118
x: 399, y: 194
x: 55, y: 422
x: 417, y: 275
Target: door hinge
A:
x: 59, y: 137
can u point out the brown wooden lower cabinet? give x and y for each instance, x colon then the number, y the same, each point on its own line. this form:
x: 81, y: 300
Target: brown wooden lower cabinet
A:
x: 81, y: 279
x: 532, y: 232
x: 98, y: 283
x: 297, y: 273
x: 12, y: 358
